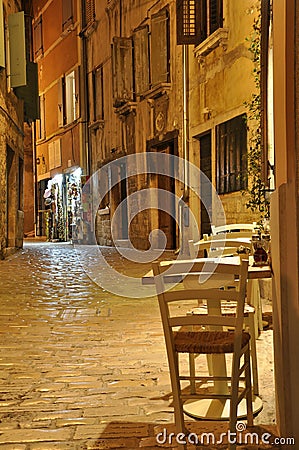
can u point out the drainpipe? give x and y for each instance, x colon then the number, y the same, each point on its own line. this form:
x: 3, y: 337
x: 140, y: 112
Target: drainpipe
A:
x: 183, y: 208
x: 86, y: 112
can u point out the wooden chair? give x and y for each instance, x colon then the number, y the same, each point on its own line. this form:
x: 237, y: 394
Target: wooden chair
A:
x: 205, y: 334
x: 242, y: 229
x: 229, y: 247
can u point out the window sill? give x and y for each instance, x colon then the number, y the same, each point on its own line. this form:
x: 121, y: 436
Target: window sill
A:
x: 89, y: 29
x: 218, y: 39
x: 96, y: 125
x: 126, y: 109
x: 157, y: 91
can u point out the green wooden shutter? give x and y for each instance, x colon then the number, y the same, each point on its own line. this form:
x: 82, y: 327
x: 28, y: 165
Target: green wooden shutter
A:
x: 122, y: 70
x: 160, y: 48
x: 141, y: 60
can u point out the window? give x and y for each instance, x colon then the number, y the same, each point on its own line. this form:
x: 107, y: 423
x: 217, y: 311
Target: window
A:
x: 54, y: 151
x: 197, y: 19
x: 38, y: 37
x: 231, y: 147
x: 141, y: 59
x: 122, y: 70
x: 67, y: 13
x: 98, y: 93
x: 89, y: 11
x: 68, y: 98
x: 160, y: 48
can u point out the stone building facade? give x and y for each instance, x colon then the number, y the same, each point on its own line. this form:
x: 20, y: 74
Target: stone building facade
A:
x: 147, y: 93
x: 11, y: 126
x: 60, y: 133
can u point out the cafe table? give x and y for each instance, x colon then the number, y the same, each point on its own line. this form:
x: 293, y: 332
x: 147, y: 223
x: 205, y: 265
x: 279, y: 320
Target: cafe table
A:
x: 212, y: 409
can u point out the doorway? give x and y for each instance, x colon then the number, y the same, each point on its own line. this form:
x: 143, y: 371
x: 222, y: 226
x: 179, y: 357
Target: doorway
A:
x: 166, y: 219
x: 205, y: 143
x: 10, y: 182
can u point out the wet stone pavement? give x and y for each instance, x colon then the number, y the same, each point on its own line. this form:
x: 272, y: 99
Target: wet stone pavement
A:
x: 82, y: 368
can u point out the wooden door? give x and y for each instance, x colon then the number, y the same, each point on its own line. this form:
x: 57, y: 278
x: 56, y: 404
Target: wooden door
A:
x: 166, y: 220
x: 205, y: 187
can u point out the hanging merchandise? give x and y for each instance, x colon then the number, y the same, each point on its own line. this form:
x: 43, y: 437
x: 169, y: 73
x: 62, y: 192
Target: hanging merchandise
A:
x: 74, y: 206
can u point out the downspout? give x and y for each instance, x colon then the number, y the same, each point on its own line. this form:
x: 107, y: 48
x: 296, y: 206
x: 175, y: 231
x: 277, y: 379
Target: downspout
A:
x: 183, y: 202
x: 86, y: 113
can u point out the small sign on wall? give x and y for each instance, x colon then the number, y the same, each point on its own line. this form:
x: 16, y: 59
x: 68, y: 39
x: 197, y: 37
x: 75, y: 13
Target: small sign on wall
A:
x: 17, y: 49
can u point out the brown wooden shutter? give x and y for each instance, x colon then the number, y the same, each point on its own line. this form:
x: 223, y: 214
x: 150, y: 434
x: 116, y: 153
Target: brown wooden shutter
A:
x: 122, y: 70
x: 160, y: 48
x: 188, y: 21
x: 141, y: 60
x: 89, y: 11
x: 38, y: 37
x: 61, y: 102
x: 98, y: 92
x: 215, y: 15
x: 77, y: 92
x: 67, y: 13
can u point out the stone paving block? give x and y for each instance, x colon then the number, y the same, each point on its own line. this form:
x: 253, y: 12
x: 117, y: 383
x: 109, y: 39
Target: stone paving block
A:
x: 113, y: 430
x: 22, y: 436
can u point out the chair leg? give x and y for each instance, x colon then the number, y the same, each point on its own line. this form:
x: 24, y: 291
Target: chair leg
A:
x: 177, y: 401
x: 248, y: 388
x: 253, y: 353
x: 234, y: 399
x: 192, y: 372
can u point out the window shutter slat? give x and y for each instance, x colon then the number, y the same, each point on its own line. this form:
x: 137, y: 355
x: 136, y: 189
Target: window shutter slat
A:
x: 122, y: 70
x: 216, y: 15
x: 89, y: 11
x: 159, y: 48
x: 141, y: 60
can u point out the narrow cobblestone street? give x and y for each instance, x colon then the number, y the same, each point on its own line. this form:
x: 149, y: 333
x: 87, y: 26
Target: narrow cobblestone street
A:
x: 82, y: 368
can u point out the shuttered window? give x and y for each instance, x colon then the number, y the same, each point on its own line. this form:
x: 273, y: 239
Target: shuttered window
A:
x: 98, y: 93
x: 197, y: 19
x: 67, y: 13
x: 122, y: 70
x: 89, y: 11
x: 160, y: 48
x: 141, y: 59
x: 38, y: 37
x: 231, y: 146
x: 68, y: 98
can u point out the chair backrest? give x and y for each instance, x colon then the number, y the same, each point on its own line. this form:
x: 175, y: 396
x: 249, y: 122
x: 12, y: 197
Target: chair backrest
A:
x: 212, y: 278
x: 241, y: 229
x: 220, y: 245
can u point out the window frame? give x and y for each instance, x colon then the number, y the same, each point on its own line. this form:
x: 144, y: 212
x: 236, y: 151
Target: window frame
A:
x: 196, y: 15
x: 67, y: 14
x: 231, y: 155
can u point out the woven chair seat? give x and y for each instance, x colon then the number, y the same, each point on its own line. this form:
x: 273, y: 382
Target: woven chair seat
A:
x: 207, y: 342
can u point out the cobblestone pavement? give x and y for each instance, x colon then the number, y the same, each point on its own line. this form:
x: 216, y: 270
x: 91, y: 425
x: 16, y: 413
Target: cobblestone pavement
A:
x: 82, y: 368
